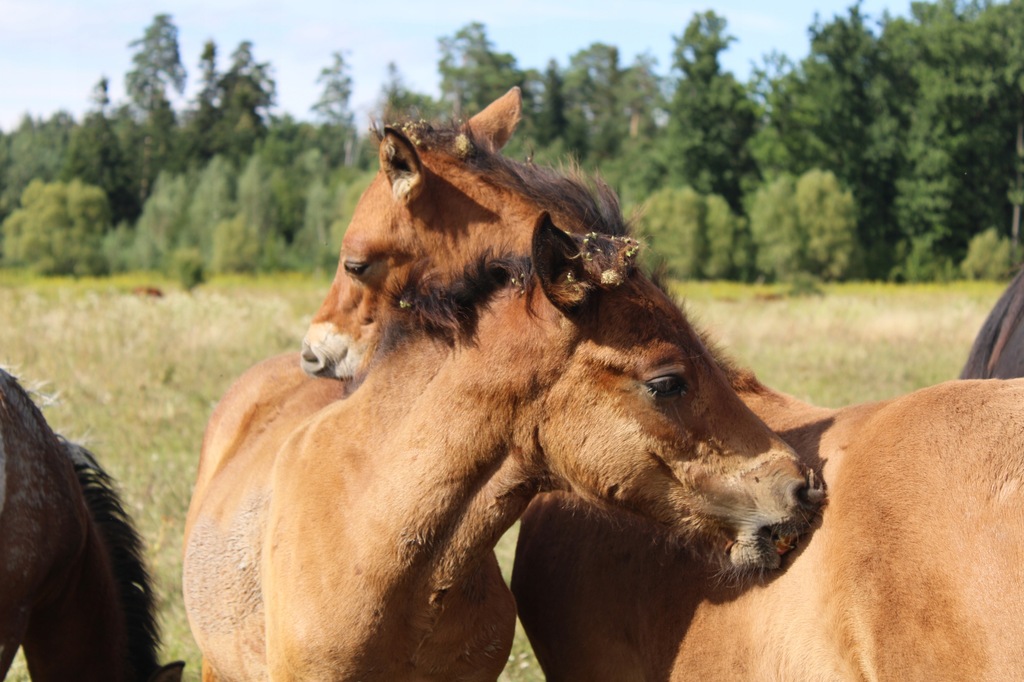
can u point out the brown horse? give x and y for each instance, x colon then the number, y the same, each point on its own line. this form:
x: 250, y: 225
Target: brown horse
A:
x: 357, y: 544
x: 431, y: 198
x: 914, y: 573
x: 998, y: 350
x: 448, y: 195
x: 74, y: 592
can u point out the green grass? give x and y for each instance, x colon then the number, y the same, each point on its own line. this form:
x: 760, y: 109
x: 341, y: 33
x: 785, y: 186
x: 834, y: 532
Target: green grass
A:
x: 137, y: 377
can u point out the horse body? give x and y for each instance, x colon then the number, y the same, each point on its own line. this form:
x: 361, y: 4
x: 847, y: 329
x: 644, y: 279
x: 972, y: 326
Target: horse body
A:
x: 73, y: 590
x: 357, y: 543
x: 913, y: 573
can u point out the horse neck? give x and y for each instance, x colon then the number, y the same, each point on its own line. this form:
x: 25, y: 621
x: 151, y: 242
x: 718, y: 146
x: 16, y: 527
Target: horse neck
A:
x: 82, y: 633
x: 465, y: 468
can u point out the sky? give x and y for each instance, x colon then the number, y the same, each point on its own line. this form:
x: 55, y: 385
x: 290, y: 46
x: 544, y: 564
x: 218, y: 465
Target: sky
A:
x: 52, y: 52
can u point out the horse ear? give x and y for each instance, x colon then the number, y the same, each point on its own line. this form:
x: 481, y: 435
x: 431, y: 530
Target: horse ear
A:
x: 493, y: 126
x: 557, y: 262
x: 402, y: 165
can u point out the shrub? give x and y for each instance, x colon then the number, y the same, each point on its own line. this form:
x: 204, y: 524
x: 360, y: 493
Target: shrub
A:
x: 988, y: 256
x: 59, y: 229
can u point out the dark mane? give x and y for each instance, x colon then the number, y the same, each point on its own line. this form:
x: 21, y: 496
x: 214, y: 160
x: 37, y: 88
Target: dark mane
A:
x: 990, y: 356
x: 577, y: 203
x: 448, y: 310
x: 125, y: 549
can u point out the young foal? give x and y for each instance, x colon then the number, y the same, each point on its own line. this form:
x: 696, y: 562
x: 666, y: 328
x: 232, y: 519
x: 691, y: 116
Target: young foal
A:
x: 915, y: 572
x: 445, y: 194
x: 73, y: 588
x: 358, y: 543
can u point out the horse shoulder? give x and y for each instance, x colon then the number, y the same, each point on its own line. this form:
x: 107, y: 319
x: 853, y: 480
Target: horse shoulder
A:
x: 319, y: 587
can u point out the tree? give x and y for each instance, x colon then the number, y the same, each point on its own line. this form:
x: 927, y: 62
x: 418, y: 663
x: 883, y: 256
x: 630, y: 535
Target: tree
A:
x: 775, y: 229
x: 961, y: 139
x: 162, y: 222
x: 36, y: 150
x: 988, y: 256
x: 729, y: 244
x: 242, y: 243
x: 398, y: 101
x: 551, y: 122
x: 211, y: 203
x: 313, y: 242
x: 249, y: 92
x: 157, y: 68
x: 641, y: 96
x: 711, y: 118
x: 828, y: 217
x: 157, y: 64
x: 59, y: 229
x: 204, y: 127
x: 95, y: 157
x: 674, y: 223
x: 597, y: 121
x: 333, y: 105
x: 472, y: 74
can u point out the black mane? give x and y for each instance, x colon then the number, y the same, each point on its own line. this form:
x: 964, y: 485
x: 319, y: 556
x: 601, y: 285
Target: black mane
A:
x: 993, y: 355
x: 126, y: 552
x: 448, y: 310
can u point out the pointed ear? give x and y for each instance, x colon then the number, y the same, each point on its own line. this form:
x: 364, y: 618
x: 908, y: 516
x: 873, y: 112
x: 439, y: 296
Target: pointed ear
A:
x: 402, y: 165
x: 557, y: 262
x: 493, y: 126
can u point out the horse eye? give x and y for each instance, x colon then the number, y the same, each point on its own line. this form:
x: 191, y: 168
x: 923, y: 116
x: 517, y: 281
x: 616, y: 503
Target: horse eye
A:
x: 666, y: 386
x: 356, y: 267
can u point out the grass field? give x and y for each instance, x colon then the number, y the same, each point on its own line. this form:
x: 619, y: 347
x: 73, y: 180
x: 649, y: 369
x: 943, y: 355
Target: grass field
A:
x: 136, y: 378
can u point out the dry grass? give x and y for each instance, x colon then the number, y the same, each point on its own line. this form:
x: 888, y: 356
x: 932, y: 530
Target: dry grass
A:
x: 137, y: 377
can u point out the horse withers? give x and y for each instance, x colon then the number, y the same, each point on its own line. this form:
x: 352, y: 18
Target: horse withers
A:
x: 74, y: 591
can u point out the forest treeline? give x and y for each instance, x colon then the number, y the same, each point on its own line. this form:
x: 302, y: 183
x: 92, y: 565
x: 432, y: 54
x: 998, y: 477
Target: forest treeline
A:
x: 893, y: 151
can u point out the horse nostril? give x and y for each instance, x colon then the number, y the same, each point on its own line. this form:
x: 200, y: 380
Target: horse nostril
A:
x: 311, y: 362
x: 808, y: 494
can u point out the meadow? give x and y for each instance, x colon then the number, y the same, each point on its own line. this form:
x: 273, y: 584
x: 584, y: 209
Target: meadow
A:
x: 135, y: 378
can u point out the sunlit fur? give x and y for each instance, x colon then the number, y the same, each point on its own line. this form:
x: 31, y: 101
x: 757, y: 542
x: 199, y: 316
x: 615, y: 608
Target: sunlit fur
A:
x: 281, y: 451
x: 913, y: 572
x: 357, y: 543
x: 465, y: 198
x: 74, y: 590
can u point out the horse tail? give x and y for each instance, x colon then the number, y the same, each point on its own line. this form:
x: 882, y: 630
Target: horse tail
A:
x: 1006, y: 316
x: 125, y: 550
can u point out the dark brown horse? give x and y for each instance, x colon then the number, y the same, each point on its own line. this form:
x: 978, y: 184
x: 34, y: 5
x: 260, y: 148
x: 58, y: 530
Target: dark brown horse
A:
x: 74, y: 591
x: 998, y: 350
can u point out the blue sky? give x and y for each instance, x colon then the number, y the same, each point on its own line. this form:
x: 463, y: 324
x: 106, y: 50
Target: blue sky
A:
x: 52, y: 52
